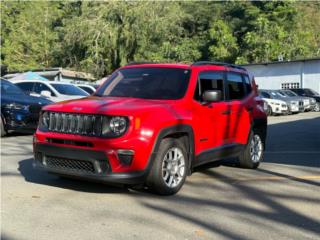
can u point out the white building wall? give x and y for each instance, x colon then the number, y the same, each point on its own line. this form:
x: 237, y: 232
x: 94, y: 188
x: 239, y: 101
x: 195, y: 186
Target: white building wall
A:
x: 272, y: 76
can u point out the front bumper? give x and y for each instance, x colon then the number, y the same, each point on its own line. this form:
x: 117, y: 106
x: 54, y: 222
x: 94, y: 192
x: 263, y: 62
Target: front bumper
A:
x: 81, y: 163
x: 23, y: 121
x: 280, y: 109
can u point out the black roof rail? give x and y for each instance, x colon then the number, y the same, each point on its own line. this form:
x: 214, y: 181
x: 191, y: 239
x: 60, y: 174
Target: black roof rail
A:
x: 201, y: 63
x: 139, y: 63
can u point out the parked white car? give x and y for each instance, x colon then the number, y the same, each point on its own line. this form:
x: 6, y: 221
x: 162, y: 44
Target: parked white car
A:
x: 54, y: 91
x: 275, y: 106
x: 86, y: 87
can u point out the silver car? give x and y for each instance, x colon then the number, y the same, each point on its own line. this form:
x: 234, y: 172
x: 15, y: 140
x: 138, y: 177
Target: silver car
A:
x: 308, y: 103
x: 295, y: 105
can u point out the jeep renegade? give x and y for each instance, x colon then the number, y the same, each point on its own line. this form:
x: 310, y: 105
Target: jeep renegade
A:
x: 153, y: 124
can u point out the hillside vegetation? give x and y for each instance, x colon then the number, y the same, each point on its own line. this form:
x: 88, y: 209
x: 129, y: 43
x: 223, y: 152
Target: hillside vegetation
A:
x: 98, y: 37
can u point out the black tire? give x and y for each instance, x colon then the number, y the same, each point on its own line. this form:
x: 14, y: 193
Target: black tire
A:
x: 3, y: 131
x: 317, y: 107
x: 246, y: 158
x: 155, y: 180
x: 269, y: 111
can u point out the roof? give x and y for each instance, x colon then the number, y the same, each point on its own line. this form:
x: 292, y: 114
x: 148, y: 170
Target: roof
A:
x: 41, y: 81
x: 202, y: 65
x: 28, y: 76
x: 281, y: 62
x: 47, y: 72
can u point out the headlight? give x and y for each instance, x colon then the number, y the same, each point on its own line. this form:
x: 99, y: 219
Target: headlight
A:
x: 114, y: 126
x: 17, y: 106
x: 294, y: 103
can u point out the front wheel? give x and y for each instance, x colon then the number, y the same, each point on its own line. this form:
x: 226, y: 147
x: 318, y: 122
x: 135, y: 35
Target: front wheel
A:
x: 169, y: 169
x: 317, y: 107
x: 252, y: 154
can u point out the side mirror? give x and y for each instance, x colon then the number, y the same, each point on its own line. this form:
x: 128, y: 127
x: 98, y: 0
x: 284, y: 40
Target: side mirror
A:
x: 45, y: 93
x: 212, y: 96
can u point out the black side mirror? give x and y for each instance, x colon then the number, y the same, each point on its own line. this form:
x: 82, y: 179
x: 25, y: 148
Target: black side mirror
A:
x: 212, y: 96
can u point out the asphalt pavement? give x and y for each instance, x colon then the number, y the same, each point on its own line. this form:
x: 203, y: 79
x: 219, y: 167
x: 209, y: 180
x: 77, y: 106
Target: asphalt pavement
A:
x: 280, y: 200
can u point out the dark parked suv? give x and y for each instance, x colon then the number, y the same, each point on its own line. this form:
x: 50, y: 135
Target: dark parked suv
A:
x: 153, y: 124
x: 19, y: 111
x: 307, y: 92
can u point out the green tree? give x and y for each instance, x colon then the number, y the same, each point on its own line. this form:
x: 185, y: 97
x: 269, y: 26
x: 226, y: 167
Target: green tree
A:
x: 223, y: 43
x: 30, y: 43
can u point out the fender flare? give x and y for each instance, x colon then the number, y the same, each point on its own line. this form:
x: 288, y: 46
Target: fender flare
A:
x: 175, y: 129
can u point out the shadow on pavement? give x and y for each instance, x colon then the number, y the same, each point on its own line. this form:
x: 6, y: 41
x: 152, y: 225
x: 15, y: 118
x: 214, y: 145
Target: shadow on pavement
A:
x: 41, y: 177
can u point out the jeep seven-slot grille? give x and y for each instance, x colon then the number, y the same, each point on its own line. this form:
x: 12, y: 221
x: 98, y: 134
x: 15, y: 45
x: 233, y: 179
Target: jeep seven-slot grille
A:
x: 70, y: 164
x: 84, y: 124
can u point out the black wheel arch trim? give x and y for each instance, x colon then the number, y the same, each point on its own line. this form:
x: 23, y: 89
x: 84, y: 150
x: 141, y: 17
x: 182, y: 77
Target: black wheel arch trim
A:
x: 165, y: 132
x: 261, y: 125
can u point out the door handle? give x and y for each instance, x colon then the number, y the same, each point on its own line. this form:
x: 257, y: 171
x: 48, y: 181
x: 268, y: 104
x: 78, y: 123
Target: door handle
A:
x: 226, y: 112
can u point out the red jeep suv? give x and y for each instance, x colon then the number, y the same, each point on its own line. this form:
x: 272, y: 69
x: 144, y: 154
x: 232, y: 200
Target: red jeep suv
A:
x: 153, y: 124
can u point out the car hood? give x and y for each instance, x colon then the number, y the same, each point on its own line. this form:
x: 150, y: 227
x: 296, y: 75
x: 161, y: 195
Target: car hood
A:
x: 269, y: 100
x: 108, y: 105
x: 25, y: 100
x: 63, y: 97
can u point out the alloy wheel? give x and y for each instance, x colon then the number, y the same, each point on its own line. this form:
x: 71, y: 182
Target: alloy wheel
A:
x: 256, y: 148
x: 173, y: 167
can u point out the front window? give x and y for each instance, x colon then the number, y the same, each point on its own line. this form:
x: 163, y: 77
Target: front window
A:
x: 67, y: 89
x: 148, y: 83
x: 311, y: 92
x: 10, y: 89
x: 291, y: 94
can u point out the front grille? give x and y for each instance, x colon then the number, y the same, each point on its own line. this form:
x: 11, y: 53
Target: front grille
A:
x: 284, y: 105
x: 83, y: 124
x: 79, y: 166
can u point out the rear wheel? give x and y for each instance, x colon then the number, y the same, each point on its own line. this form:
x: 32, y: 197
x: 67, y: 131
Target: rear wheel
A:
x: 252, y: 154
x: 169, y: 169
x: 3, y: 131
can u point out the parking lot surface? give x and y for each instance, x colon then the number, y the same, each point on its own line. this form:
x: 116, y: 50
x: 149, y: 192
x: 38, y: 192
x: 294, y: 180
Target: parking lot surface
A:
x: 280, y: 200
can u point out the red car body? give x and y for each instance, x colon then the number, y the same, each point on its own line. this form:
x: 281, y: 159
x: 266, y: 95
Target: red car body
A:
x: 207, y: 127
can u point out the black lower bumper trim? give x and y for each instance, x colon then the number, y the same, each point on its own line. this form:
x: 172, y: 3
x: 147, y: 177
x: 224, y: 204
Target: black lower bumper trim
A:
x: 97, y: 158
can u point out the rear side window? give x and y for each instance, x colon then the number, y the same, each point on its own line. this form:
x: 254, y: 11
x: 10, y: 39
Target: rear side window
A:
x: 235, y: 86
x: 247, y: 84
x: 208, y: 81
x: 26, y: 87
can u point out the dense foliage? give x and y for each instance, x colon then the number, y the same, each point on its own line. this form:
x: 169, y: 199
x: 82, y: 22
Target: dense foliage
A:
x: 98, y: 37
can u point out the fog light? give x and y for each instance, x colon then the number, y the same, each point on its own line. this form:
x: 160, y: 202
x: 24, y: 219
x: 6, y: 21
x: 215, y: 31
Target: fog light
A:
x: 125, y: 156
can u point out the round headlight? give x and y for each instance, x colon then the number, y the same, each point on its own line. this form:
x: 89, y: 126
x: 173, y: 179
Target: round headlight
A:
x: 118, y: 125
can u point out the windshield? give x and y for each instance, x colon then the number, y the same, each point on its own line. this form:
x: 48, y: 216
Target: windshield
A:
x: 275, y: 93
x: 68, y: 89
x: 9, y: 88
x: 311, y: 92
x: 290, y: 93
x: 149, y: 83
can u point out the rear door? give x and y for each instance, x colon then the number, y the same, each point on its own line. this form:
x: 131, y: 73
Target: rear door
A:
x: 240, y: 101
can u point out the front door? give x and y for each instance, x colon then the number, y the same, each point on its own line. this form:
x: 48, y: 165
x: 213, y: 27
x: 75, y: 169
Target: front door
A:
x: 211, y: 119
